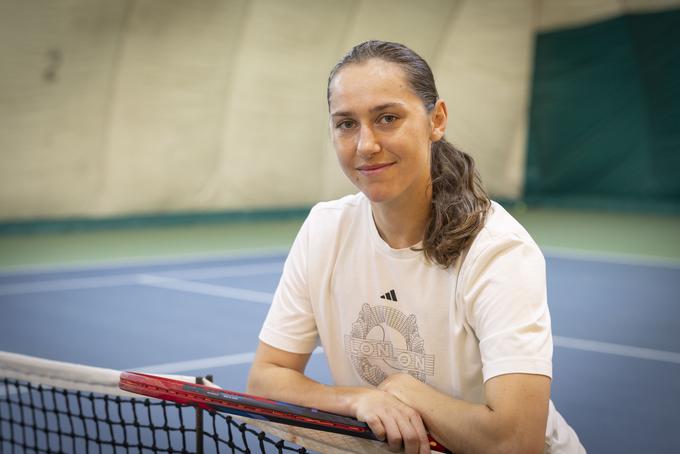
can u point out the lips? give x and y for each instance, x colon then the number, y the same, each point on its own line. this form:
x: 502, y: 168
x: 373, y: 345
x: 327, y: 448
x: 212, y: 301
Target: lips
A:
x: 373, y: 169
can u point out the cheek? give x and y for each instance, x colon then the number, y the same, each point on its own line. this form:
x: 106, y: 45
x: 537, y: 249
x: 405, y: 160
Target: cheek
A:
x: 343, y: 149
x: 413, y: 146
x: 344, y: 158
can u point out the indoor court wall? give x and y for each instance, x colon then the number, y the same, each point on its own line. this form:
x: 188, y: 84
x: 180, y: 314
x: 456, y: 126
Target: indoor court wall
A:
x: 136, y: 107
x: 149, y: 106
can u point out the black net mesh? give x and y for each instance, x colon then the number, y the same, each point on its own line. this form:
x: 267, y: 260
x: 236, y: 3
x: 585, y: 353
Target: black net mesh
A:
x: 47, y: 419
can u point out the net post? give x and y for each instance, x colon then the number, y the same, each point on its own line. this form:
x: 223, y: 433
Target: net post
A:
x: 199, y: 423
x: 199, y: 417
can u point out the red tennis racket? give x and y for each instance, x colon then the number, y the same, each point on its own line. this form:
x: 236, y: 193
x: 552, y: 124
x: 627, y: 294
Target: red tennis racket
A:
x: 217, y: 399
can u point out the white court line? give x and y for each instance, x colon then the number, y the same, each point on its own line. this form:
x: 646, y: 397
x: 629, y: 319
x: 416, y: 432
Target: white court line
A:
x: 205, y: 289
x: 117, y: 280
x: 617, y: 349
x: 204, y: 363
x: 560, y: 341
x: 224, y: 271
x: 68, y: 284
x: 133, y: 278
x: 612, y: 257
x: 181, y: 259
x: 196, y: 364
x: 87, y: 265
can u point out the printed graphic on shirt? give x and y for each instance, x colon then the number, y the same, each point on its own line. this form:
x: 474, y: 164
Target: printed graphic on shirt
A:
x: 384, y: 340
x: 391, y: 295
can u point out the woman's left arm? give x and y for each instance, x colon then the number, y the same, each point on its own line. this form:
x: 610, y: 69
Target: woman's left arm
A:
x: 512, y: 421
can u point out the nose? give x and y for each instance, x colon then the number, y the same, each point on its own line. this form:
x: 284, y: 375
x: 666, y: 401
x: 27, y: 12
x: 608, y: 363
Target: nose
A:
x: 368, y: 144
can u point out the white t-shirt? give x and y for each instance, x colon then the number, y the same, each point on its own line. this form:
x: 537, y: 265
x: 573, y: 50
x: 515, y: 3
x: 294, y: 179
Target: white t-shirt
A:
x: 377, y: 310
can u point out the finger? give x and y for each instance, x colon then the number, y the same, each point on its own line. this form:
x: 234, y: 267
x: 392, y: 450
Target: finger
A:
x: 393, y: 434
x: 376, y: 426
x: 409, y: 433
x: 423, y: 439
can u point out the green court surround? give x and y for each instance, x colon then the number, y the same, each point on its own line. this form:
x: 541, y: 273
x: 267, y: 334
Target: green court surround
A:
x: 655, y: 237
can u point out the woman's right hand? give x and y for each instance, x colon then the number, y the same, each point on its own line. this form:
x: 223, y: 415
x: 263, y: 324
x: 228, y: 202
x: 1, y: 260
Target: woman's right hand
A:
x: 278, y: 374
x: 391, y: 420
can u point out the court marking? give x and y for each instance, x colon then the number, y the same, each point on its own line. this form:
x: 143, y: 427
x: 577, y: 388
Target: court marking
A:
x: 224, y: 271
x: 255, y: 253
x: 117, y: 280
x: 150, y: 261
x: 201, y: 288
x: 559, y: 341
x: 617, y: 258
x: 80, y: 283
x: 616, y: 349
x: 204, y: 363
x: 172, y: 279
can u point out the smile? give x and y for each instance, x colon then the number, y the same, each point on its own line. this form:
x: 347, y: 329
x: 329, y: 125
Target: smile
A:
x: 374, y: 169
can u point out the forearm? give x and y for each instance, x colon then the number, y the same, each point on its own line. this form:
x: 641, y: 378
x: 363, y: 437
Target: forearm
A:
x: 288, y: 385
x: 506, y: 424
x: 279, y: 375
x: 461, y: 426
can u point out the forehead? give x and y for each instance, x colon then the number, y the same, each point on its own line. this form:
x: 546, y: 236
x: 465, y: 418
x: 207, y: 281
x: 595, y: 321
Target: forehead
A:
x: 372, y: 82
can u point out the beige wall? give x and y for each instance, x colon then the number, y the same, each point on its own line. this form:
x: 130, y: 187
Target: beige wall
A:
x: 148, y: 106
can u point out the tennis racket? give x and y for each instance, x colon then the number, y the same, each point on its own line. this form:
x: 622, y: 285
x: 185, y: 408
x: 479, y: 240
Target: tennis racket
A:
x: 216, y: 399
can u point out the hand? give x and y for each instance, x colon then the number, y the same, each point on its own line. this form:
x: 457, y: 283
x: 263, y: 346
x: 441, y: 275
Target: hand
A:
x: 393, y: 421
x: 404, y: 387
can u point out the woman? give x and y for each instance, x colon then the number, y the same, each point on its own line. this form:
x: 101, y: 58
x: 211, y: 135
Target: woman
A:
x: 428, y: 299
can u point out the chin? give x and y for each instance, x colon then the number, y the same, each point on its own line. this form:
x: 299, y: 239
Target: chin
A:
x: 377, y: 196
x: 377, y: 191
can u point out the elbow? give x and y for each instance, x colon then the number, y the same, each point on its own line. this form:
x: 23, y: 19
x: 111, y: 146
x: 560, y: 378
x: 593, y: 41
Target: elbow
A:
x: 516, y: 442
x: 513, y: 437
x: 254, y: 384
x: 518, y: 447
x: 261, y: 379
x: 251, y: 386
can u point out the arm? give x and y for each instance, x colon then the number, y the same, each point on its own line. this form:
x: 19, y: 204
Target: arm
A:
x: 278, y: 374
x: 512, y: 421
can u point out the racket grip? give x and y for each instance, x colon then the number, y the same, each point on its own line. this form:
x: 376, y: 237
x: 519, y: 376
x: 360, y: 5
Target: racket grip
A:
x: 436, y: 446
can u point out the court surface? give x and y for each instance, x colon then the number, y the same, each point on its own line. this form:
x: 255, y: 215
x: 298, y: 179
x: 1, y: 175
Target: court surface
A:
x: 616, y: 325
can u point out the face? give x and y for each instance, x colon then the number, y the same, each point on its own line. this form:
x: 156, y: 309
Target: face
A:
x: 382, y: 132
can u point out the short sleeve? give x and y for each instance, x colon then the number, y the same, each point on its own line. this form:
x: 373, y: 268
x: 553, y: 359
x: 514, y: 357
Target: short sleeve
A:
x: 505, y: 299
x: 290, y: 323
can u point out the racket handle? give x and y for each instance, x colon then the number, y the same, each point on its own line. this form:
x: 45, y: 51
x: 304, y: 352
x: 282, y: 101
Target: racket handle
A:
x: 436, y: 446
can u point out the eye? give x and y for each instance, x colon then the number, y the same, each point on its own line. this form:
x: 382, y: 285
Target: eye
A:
x: 345, y: 124
x: 387, y: 119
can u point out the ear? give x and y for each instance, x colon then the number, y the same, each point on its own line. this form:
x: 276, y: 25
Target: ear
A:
x: 438, y: 119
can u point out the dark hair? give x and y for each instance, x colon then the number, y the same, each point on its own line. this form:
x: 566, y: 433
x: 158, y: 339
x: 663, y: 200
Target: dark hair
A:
x: 459, y: 201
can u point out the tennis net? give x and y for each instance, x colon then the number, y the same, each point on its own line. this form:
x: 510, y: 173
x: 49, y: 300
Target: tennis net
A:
x: 49, y: 407
x: 56, y: 407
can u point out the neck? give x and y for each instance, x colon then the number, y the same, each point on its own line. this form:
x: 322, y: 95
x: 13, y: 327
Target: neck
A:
x: 402, y: 223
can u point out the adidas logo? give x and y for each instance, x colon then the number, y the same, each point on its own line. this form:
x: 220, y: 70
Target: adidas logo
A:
x: 389, y: 296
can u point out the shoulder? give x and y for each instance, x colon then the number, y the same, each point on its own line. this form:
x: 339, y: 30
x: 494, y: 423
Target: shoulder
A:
x: 328, y: 230
x: 503, y: 272
x: 500, y: 235
x: 501, y: 227
x: 334, y: 214
x: 347, y: 203
x: 331, y: 223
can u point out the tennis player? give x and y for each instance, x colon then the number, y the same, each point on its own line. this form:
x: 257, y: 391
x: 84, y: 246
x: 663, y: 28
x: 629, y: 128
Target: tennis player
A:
x: 429, y: 299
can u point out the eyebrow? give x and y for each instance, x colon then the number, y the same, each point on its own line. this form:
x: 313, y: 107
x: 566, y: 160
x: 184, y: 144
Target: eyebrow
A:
x: 373, y: 109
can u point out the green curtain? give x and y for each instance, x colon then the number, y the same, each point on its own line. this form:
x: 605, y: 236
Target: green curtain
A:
x: 605, y: 115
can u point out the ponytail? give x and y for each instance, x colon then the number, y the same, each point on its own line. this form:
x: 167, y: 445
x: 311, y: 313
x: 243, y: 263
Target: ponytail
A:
x: 459, y: 204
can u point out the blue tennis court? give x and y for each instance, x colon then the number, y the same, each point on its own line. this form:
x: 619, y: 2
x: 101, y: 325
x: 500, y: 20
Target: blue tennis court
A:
x: 616, y: 324
x: 158, y: 159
